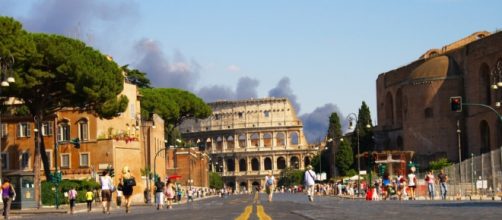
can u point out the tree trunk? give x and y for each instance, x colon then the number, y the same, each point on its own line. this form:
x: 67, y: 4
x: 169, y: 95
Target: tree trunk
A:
x: 40, y: 156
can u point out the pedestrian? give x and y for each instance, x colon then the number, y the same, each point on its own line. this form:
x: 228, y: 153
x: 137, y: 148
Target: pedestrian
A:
x: 429, y: 178
x: 189, y: 193
x: 159, y: 193
x: 412, y: 183
x: 128, y: 182
x: 89, y: 197
x: 269, y: 185
x: 169, y: 193
x: 309, y: 179
x: 8, y: 195
x: 442, y: 184
x: 72, y: 196
x: 106, y: 191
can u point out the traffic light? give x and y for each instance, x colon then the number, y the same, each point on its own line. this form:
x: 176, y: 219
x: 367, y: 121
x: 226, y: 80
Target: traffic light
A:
x: 456, y: 103
x: 381, y: 169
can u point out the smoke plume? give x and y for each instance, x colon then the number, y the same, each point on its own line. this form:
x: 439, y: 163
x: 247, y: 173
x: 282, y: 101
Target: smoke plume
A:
x: 283, y: 89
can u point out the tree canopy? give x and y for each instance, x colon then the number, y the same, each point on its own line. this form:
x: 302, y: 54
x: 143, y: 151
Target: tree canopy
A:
x: 172, y: 105
x: 344, y: 157
x: 366, y: 142
x: 136, y: 77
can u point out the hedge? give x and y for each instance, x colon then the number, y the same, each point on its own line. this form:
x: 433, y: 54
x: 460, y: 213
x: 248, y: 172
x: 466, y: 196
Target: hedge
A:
x: 48, y: 195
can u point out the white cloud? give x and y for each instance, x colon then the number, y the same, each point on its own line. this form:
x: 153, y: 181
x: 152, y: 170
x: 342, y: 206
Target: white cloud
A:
x: 233, y: 68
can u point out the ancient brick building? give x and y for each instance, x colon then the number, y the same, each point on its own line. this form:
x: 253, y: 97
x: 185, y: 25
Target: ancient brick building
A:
x: 413, y: 101
x: 247, y: 139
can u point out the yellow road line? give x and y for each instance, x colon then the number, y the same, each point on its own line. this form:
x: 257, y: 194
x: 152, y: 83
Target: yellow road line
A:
x: 260, y: 211
x: 247, y: 212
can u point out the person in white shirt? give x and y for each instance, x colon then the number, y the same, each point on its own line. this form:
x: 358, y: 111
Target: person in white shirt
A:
x: 309, y: 178
x: 412, y: 183
x: 106, y: 191
x: 269, y: 185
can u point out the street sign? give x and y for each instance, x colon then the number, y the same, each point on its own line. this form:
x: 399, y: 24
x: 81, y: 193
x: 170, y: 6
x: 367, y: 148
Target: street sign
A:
x: 481, y: 184
x: 362, y: 172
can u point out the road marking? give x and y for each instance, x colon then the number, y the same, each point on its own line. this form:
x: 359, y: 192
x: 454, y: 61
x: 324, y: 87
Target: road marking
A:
x: 261, y: 213
x: 247, y: 212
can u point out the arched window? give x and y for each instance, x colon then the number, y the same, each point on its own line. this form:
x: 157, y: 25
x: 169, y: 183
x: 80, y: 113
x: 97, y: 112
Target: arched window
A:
x: 255, y: 140
x: 243, y: 166
x: 242, y: 140
x: 484, y: 84
x: 306, y: 161
x: 230, y: 142
x: 268, y: 163
x: 255, y: 164
x: 219, y: 143
x: 267, y: 140
x: 209, y: 144
x: 294, y: 138
x: 280, y: 139
x: 294, y: 162
x: 389, y: 109
x: 83, y: 130
x: 484, y: 130
x: 64, y: 131
x: 230, y: 165
x: 281, y: 163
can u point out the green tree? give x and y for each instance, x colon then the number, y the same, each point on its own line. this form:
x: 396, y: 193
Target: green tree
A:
x: 439, y: 164
x: 215, y: 181
x: 344, y: 157
x: 136, y: 77
x: 290, y: 177
x: 334, y: 133
x: 174, y: 106
x: 62, y: 73
x: 366, y: 142
x: 335, y: 128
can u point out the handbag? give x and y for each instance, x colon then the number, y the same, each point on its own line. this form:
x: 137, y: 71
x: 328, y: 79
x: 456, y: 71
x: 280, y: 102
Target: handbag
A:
x: 130, y: 182
x: 12, y: 193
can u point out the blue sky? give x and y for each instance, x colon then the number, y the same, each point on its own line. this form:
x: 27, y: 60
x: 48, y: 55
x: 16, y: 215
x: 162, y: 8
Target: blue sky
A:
x: 324, y: 55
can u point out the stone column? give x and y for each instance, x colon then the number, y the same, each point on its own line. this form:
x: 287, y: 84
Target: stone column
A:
x: 274, y: 163
x: 273, y: 140
x: 287, y: 158
x: 237, y: 165
x: 262, y: 167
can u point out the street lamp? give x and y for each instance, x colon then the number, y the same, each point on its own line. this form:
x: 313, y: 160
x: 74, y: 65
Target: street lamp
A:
x: 352, y: 117
x: 6, y: 77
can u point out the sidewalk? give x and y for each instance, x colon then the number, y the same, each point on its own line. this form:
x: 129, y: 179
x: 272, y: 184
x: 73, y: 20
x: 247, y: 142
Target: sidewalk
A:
x: 82, y: 207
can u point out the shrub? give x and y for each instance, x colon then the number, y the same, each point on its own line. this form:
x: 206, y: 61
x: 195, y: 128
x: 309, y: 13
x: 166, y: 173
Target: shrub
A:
x: 49, y: 196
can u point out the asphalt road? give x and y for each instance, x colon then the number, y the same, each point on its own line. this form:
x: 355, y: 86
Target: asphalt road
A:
x: 296, y: 206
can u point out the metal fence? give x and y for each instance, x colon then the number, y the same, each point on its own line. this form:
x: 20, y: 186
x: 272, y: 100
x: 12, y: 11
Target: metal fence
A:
x: 477, y: 176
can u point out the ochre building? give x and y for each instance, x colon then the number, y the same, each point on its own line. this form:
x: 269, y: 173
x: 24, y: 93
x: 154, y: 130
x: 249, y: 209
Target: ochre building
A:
x: 247, y: 139
x: 413, y: 101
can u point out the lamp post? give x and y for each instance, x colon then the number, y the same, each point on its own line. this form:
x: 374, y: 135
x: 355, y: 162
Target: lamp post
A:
x: 352, y: 117
x: 6, y: 77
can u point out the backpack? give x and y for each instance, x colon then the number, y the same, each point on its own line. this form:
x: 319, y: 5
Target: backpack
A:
x: 130, y: 182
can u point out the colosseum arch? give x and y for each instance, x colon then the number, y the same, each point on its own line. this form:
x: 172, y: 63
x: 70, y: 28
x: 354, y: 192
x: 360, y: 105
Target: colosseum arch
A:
x: 267, y: 139
x: 242, y: 141
x: 280, y: 139
x: 281, y: 163
x: 294, y: 161
x: 230, y: 165
x: 268, y: 163
x: 255, y: 164
x: 255, y: 140
x: 399, y: 107
x: 294, y: 138
x: 230, y: 142
x: 243, y: 165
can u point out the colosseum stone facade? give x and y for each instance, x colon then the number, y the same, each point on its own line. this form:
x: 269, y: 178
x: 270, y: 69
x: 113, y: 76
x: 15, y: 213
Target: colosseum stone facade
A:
x: 413, y: 101
x: 247, y: 139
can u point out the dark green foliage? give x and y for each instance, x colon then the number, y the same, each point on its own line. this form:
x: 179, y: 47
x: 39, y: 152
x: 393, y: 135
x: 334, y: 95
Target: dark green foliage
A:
x: 215, y: 181
x: 439, y: 164
x: 335, y: 128
x: 325, y: 154
x: 291, y: 177
x: 48, y: 195
x: 136, y: 77
x: 366, y: 142
x: 344, y: 157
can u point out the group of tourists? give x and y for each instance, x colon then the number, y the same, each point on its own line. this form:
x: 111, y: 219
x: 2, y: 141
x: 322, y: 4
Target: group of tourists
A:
x: 165, y: 192
x: 124, y: 187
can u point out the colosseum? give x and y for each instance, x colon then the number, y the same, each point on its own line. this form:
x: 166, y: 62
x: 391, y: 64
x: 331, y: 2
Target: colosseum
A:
x: 247, y: 139
x: 413, y: 101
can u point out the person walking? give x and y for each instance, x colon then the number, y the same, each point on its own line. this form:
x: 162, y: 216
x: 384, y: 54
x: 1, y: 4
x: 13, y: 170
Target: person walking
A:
x: 169, y: 193
x: 269, y: 185
x: 106, y: 191
x: 309, y: 178
x: 72, y: 196
x: 412, y: 183
x: 159, y: 193
x: 442, y: 184
x: 429, y: 178
x: 128, y: 182
x: 89, y: 197
x: 8, y: 195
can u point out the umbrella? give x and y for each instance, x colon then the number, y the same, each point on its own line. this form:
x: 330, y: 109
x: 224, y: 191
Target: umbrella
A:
x: 174, y: 177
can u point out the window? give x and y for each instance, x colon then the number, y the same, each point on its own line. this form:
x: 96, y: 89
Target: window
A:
x: 294, y: 138
x: 64, y: 131
x: 83, y: 132
x: 65, y: 160
x: 84, y: 159
x: 4, y: 131
x: 240, y: 114
x: 266, y: 114
x: 23, y: 129
x: 47, y: 128
x: 5, y: 161
x: 217, y: 116
x: 25, y: 160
